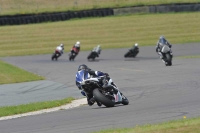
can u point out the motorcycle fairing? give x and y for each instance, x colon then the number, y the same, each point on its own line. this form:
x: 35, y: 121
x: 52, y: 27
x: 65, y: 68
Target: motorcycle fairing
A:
x: 82, y: 75
x: 165, y: 49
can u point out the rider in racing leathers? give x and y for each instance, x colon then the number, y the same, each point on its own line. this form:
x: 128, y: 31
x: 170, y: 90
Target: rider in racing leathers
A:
x: 97, y: 50
x: 105, y: 79
x: 135, y: 48
x: 76, y: 48
x: 162, y: 40
x: 61, y: 51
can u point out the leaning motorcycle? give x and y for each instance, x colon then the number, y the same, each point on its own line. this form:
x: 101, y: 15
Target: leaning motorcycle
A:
x: 57, y: 53
x: 132, y: 53
x: 167, y: 56
x: 109, y: 96
x: 93, y: 55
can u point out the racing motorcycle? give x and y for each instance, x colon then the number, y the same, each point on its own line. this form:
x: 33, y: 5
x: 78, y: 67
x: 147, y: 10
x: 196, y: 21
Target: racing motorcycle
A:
x: 132, y: 52
x: 109, y: 96
x: 73, y: 53
x: 167, y: 55
x: 93, y: 55
x: 57, y: 53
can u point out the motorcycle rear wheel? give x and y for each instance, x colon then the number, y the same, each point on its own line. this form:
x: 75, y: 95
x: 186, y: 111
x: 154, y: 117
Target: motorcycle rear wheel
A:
x: 124, y: 100
x: 53, y: 56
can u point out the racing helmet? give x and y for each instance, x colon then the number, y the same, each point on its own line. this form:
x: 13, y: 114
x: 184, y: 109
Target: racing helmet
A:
x: 162, y: 40
x: 61, y: 45
x: 162, y: 37
x: 82, y: 67
x: 77, y: 44
x: 136, y: 44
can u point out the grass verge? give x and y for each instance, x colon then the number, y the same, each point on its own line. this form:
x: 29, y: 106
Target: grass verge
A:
x: 37, y: 6
x: 178, y: 126
x: 109, y: 32
x: 12, y: 74
x: 24, y: 108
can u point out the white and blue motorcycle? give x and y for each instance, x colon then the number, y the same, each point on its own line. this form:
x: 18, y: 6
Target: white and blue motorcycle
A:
x: 109, y: 96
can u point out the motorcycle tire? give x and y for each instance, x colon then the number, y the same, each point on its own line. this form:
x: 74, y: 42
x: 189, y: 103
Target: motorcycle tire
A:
x: 168, y: 60
x: 53, y: 56
x: 89, y: 56
x: 127, y: 54
x: 71, y: 57
x: 102, y: 98
x: 124, y: 100
x: 135, y: 54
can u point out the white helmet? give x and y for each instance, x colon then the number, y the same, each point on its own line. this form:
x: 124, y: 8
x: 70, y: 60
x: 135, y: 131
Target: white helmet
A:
x: 61, y: 45
x: 136, y: 44
x: 77, y: 44
x: 98, y: 46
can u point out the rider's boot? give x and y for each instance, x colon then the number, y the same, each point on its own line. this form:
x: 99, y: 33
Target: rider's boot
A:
x: 90, y: 99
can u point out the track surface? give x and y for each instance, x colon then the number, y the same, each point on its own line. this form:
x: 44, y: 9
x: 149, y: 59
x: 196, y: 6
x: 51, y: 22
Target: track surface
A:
x: 156, y: 93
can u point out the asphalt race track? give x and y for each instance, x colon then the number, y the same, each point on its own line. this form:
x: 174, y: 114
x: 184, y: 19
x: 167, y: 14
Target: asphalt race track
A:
x: 156, y: 93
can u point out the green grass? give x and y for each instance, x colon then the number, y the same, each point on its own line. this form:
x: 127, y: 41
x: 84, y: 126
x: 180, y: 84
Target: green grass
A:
x: 12, y: 74
x: 178, y: 126
x: 109, y: 32
x: 37, y: 6
x: 24, y: 108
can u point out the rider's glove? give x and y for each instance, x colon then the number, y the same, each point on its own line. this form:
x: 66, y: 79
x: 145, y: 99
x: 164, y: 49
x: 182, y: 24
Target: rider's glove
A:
x: 106, y: 74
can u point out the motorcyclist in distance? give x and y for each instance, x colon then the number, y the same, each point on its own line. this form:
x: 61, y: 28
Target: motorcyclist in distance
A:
x: 76, y: 48
x: 61, y: 46
x: 159, y: 46
x: 97, y: 50
x: 135, y: 47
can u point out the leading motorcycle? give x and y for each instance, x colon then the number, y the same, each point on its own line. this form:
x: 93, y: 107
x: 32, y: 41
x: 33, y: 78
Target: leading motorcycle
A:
x: 94, y: 53
x: 109, y: 96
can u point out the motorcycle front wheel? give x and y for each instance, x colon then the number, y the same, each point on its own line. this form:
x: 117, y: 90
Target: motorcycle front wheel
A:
x: 53, y: 56
x: 124, y: 100
x: 102, y: 98
x: 168, y: 60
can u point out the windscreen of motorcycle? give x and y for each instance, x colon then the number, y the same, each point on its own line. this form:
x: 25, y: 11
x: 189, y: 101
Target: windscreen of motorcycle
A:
x: 165, y: 49
x: 82, y: 75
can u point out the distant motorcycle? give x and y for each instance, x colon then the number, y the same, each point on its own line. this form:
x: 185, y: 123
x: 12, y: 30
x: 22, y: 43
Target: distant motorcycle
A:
x: 57, y: 53
x: 132, y: 52
x: 94, y: 53
x: 107, y: 96
x: 73, y: 53
x: 167, y: 56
